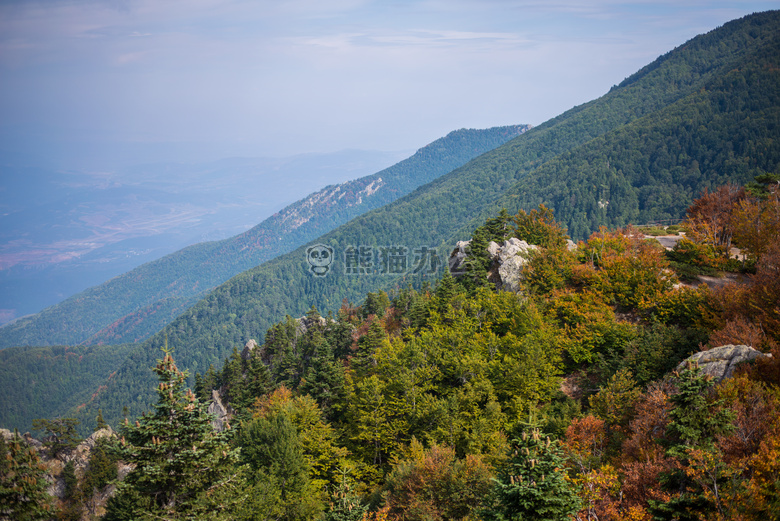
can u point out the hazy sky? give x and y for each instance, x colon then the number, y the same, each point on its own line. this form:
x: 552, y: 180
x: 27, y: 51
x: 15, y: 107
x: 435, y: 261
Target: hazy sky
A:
x: 134, y: 80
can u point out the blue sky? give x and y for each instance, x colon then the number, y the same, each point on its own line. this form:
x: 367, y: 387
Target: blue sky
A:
x: 100, y: 84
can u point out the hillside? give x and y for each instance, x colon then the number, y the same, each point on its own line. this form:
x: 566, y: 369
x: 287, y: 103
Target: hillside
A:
x: 711, y: 75
x: 133, y: 306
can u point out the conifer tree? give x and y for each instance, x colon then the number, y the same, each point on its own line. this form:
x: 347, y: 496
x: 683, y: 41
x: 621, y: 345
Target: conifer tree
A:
x: 23, y: 484
x: 183, y: 469
x: 101, y: 423
x: 532, y: 485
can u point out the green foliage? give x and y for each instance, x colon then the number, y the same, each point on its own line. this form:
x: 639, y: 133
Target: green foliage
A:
x: 101, y: 468
x: 696, y: 420
x: 60, y: 434
x: 532, y: 484
x: 345, y: 505
x: 181, y: 464
x: 23, y: 483
x: 540, y: 228
x: 46, y: 382
x: 272, y: 449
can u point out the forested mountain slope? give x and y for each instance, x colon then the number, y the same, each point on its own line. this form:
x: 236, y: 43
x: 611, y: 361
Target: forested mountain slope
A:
x: 678, y: 95
x: 133, y: 306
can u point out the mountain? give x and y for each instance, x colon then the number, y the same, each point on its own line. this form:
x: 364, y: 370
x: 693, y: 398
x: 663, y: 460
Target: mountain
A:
x: 705, y: 113
x: 62, y: 231
x: 130, y: 307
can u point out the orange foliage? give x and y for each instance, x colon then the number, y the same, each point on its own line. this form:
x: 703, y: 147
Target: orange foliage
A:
x: 764, y: 486
x: 756, y: 303
x: 436, y: 485
x: 585, y: 441
x: 757, y: 224
x: 710, y: 216
x: 632, y: 271
x: 757, y: 411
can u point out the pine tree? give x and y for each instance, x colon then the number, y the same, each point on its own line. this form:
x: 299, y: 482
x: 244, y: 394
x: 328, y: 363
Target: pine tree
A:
x: 281, y: 486
x: 532, y: 485
x: 183, y: 468
x: 61, y: 434
x: 23, y: 484
x: 101, y: 423
x: 345, y: 505
x: 696, y: 421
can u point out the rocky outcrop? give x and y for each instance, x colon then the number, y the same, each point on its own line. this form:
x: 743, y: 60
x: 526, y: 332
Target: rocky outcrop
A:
x: 221, y: 412
x: 249, y: 347
x: 719, y: 362
x: 507, y: 262
x: 458, y: 257
x: 303, y: 324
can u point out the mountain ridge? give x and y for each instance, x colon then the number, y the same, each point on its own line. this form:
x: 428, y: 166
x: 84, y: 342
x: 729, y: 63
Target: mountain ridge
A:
x: 446, y: 209
x: 142, y: 301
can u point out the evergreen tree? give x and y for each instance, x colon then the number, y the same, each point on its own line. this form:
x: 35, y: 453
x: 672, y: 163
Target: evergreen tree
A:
x: 345, y: 505
x: 532, y: 485
x: 182, y: 467
x: 23, y: 484
x: 280, y: 483
x: 324, y: 379
x: 101, y: 423
x: 61, y: 434
x: 204, y: 384
x: 696, y: 421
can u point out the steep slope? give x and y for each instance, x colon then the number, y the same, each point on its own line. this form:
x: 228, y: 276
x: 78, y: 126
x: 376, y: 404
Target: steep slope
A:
x: 445, y: 209
x: 139, y: 303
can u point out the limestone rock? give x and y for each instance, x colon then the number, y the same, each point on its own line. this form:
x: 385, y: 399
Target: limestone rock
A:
x: 507, y: 261
x: 511, y: 258
x: 306, y: 323
x: 221, y: 412
x: 720, y: 362
x: 457, y: 258
x: 250, y: 346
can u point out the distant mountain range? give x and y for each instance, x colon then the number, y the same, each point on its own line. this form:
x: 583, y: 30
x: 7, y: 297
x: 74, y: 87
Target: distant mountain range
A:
x: 703, y: 114
x: 130, y: 307
x: 63, y: 231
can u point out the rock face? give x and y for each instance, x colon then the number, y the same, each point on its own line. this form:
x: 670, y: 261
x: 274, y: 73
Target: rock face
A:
x: 221, y: 412
x: 510, y: 259
x: 507, y: 262
x: 303, y: 324
x: 250, y: 346
x: 458, y: 257
x: 720, y: 362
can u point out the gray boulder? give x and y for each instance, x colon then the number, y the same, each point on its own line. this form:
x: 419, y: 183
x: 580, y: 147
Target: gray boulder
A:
x: 250, y: 346
x: 720, y: 362
x: 458, y: 257
x: 510, y: 260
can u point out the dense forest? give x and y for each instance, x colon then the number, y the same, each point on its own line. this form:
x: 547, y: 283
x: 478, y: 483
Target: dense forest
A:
x: 133, y: 306
x: 38, y: 382
x: 570, y: 399
x: 650, y: 125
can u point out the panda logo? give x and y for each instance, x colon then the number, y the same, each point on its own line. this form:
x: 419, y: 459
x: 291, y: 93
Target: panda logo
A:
x: 319, y: 258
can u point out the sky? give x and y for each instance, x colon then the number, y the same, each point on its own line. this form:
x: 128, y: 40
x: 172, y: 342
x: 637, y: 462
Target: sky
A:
x: 89, y: 84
